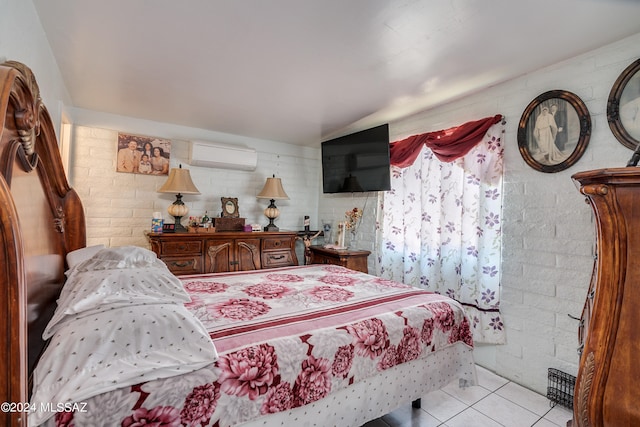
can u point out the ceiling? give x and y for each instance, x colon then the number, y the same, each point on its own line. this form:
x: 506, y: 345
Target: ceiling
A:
x: 300, y: 71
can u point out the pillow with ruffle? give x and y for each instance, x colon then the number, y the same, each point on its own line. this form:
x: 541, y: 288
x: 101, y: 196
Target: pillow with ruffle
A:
x: 92, y: 288
x: 80, y: 255
x: 120, y: 257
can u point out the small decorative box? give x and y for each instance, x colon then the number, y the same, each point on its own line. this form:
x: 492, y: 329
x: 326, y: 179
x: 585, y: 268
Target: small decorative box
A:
x: 229, y: 224
x: 156, y: 225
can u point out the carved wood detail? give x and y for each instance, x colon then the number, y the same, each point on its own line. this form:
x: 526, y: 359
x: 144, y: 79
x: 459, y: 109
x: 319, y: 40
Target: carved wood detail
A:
x: 213, y: 251
x: 58, y: 220
x: 254, y: 252
x: 595, y: 190
x: 27, y: 109
x: 584, y: 388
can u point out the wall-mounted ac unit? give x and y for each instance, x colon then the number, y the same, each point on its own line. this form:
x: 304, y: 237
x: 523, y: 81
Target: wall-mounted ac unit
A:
x: 215, y: 155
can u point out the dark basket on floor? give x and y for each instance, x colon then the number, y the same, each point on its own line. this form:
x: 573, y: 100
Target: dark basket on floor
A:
x: 560, y: 388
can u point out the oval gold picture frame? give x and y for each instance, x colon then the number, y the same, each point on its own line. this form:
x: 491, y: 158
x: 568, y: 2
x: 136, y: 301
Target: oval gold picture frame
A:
x: 554, y: 131
x: 623, y: 107
x: 229, y: 207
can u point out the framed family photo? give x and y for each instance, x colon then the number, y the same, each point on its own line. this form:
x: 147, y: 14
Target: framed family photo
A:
x: 623, y: 107
x: 554, y: 131
x: 143, y: 154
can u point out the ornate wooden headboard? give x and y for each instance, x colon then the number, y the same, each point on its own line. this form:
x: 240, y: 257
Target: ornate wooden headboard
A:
x: 41, y: 220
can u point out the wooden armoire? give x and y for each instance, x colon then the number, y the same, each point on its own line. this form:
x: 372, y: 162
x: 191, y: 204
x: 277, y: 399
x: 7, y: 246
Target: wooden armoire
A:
x: 607, y: 390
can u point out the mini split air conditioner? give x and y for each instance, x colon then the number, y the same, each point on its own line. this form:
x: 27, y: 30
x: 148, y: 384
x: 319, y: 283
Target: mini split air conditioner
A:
x: 215, y: 155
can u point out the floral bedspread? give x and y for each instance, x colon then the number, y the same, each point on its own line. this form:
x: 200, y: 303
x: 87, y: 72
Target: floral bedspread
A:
x: 286, y: 337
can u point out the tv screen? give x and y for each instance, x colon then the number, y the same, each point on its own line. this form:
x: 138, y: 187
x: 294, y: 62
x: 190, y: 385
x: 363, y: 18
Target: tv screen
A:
x: 357, y: 162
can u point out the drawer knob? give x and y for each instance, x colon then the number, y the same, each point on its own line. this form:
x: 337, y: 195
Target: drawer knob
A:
x: 277, y: 257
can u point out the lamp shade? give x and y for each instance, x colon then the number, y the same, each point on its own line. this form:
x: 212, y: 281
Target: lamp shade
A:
x: 273, y: 190
x: 179, y: 182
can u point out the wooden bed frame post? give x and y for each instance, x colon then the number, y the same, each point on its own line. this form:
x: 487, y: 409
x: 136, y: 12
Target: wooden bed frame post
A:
x: 33, y: 252
x: 12, y: 313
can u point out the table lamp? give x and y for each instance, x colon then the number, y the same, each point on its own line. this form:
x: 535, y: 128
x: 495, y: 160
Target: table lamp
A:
x: 273, y: 191
x: 178, y: 183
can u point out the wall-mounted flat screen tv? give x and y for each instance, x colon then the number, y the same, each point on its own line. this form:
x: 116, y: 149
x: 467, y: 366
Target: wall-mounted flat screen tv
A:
x: 357, y: 162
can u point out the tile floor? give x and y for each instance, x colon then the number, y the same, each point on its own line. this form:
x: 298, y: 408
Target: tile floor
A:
x: 494, y: 402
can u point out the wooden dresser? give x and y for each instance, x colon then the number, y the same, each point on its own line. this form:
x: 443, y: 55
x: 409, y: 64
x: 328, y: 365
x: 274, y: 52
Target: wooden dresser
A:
x: 192, y: 253
x: 353, y: 259
x: 607, y: 392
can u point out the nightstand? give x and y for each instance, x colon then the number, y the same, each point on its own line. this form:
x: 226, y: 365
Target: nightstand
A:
x: 353, y: 259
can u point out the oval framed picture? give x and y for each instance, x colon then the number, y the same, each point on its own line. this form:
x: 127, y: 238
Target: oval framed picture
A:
x: 623, y: 107
x: 229, y: 207
x: 554, y: 131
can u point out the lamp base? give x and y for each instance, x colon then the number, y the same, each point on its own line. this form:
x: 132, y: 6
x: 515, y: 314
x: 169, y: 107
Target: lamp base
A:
x: 271, y: 227
x: 272, y: 213
x: 177, y: 210
x: 179, y: 228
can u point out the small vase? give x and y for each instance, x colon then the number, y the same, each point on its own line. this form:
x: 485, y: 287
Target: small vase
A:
x: 352, y: 239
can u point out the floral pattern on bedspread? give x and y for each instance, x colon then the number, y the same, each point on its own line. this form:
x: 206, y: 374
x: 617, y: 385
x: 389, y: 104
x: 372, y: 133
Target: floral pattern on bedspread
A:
x: 286, y: 337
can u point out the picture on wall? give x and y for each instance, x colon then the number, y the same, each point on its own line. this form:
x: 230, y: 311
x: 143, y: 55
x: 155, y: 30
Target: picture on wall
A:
x: 623, y: 106
x: 554, y: 131
x: 143, y: 154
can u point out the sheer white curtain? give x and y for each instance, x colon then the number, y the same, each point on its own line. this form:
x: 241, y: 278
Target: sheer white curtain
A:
x: 440, y: 229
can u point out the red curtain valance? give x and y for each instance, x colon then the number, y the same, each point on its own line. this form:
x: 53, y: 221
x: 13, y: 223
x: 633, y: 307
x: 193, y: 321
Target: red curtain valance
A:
x: 447, y: 145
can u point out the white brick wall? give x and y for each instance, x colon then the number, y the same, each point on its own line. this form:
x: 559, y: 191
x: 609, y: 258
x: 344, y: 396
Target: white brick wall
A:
x: 119, y: 206
x: 549, y: 233
x: 548, y: 228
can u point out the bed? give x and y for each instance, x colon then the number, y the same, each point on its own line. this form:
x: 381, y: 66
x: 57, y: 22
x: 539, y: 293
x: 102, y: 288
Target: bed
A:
x: 309, y: 345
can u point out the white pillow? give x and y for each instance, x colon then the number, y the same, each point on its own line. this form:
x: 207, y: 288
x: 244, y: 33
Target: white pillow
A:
x: 120, y: 257
x: 79, y: 255
x: 91, y: 292
x: 119, y: 348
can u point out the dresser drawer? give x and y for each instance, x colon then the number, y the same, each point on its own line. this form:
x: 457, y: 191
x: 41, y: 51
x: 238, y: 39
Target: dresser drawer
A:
x: 181, y: 247
x: 183, y: 265
x: 221, y: 251
x: 272, y: 259
x: 276, y: 243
